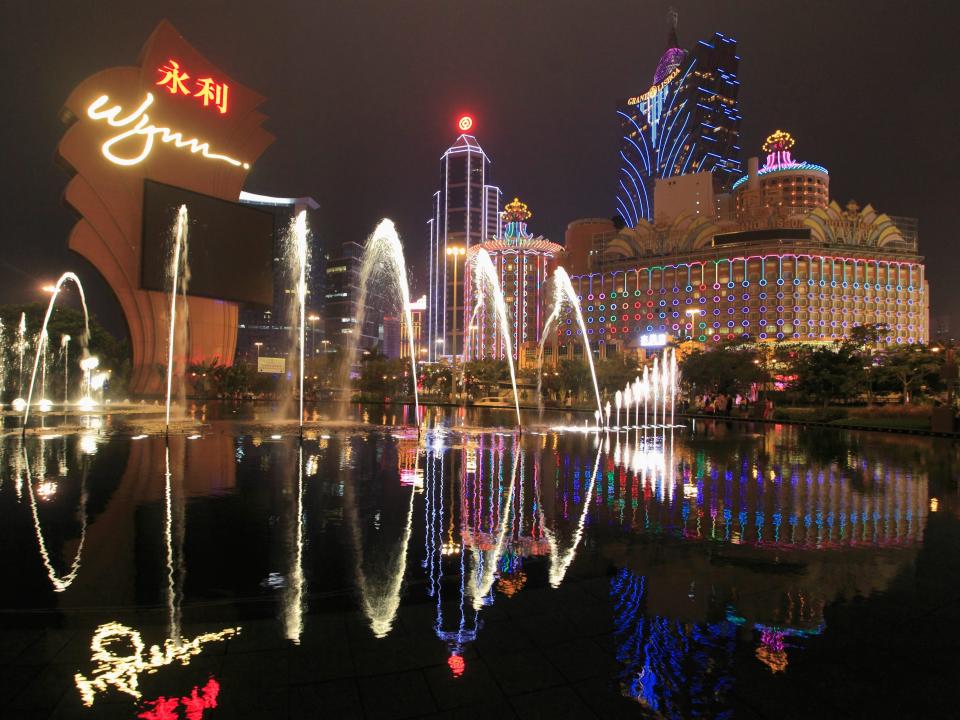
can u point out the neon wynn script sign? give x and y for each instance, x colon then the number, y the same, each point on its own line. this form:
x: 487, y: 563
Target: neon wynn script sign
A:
x: 140, y: 134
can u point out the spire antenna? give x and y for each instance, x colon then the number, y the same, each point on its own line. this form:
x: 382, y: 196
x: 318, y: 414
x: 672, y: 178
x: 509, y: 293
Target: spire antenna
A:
x: 672, y: 18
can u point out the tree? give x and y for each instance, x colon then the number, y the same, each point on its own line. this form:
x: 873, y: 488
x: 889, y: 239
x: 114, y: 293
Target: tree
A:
x: 574, y: 377
x: 729, y: 369
x: 202, y: 377
x: 383, y: 378
x: 864, y: 337
x: 484, y: 376
x: 829, y: 373
x: 233, y: 381
x: 435, y: 379
x: 114, y: 354
x: 614, y: 373
x: 908, y: 369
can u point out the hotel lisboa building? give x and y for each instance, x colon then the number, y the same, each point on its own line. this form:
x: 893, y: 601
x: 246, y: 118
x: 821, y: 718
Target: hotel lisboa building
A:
x: 773, y: 259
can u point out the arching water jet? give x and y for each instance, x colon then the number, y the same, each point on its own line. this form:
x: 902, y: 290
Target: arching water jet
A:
x: 383, y: 256
x: 43, y: 333
x: 564, y: 295
x: 301, y: 256
x: 487, y: 289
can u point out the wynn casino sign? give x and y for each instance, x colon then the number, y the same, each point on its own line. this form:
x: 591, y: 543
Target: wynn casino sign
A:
x: 174, y: 119
x: 136, y: 133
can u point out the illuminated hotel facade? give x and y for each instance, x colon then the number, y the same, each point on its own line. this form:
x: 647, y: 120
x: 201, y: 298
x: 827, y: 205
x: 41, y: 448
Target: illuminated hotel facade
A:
x: 466, y: 211
x: 523, y: 262
x: 779, y: 264
x: 688, y: 121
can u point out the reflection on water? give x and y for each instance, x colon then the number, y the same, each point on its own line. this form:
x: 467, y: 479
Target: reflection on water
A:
x: 46, y: 489
x: 121, y: 657
x: 676, y: 669
x: 721, y: 546
x: 194, y: 704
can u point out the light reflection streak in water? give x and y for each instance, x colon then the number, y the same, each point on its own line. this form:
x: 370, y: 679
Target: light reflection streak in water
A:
x: 173, y: 599
x: 483, y: 578
x: 59, y: 583
x: 294, y: 590
x: 743, y: 499
x: 560, y: 563
x: 379, y: 596
x: 122, y: 671
x: 120, y: 667
x: 380, y: 604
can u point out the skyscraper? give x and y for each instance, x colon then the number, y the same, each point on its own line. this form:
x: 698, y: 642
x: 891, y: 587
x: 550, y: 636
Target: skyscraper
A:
x: 266, y: 330
x: 466, y: 211
x: 688, y: 121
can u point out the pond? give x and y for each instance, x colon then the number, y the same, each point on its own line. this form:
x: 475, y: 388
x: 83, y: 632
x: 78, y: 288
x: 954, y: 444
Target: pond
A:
x: 716, y: 569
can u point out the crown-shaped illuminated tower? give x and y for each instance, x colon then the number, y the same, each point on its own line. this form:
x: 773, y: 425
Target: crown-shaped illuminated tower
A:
x: 514, y: 217
x: 783, y: 186
x: 777, y: 146
x: 523, y: 263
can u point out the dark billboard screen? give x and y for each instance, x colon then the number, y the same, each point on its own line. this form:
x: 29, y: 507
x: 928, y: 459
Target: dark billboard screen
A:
x: 230, y: 245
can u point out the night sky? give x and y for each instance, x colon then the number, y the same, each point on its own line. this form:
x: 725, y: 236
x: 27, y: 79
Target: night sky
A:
x: 363, y: 97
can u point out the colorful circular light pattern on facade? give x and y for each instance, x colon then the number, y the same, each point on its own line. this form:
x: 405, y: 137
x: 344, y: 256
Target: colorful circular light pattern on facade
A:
x: 883, y: 291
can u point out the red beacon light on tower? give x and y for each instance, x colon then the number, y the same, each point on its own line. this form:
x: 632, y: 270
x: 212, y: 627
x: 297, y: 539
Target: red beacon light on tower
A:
x: 465, y: 123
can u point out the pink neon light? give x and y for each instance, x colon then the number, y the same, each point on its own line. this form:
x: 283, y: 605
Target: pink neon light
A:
x: 779, y: 159
x: 835, y: 258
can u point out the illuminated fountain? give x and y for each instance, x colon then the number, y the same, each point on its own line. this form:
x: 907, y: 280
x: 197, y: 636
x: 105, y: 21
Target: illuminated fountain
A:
x: 87, y: 366
x: 21, y: 348
x: 299, y: 254
x: 42, y: 337
x: 65, y: 354
x: 655, y: 388
x: 657, y: 391
x: 178, y: 279
x: 564, y: 296
x: 43, y: 403
x: 383, y: 262
x: 486, y: 287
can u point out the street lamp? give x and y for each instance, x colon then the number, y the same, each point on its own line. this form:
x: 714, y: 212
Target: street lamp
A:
x: 692, y: 314
x: 258, y: 346
x: 455, y: 251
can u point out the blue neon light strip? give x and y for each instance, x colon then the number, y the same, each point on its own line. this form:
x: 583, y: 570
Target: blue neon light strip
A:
x: 801, y: 167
